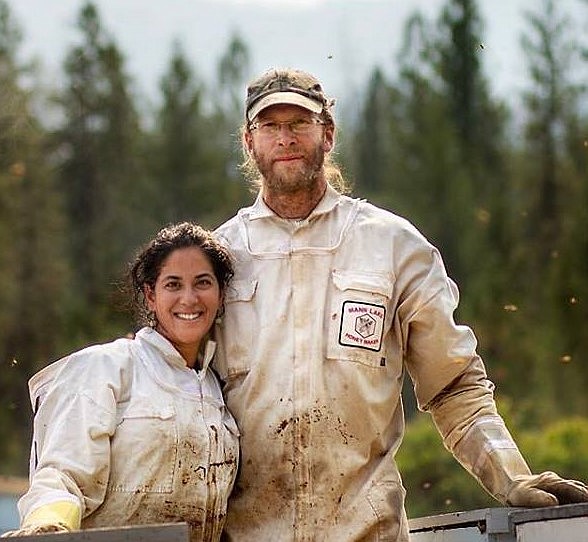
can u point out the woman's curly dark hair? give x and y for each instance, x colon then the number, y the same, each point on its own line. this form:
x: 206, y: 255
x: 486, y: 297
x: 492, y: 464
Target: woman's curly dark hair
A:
x: 147, y: 265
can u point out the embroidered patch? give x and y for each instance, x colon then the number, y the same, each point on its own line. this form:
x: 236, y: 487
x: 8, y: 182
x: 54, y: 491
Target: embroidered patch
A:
x: 362, y: 325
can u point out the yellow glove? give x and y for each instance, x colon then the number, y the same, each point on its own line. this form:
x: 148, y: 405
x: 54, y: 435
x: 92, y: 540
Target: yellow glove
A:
x: 56, y: 517
x: 545, y: 489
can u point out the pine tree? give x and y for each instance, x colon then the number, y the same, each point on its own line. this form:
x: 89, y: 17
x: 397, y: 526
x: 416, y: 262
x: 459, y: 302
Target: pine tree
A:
x: 553, y: 188
x: 375, y: 142
x: 99, y: 174
x: 182, y: 182
x: 32, y: 266
x: 483, y: 249
x: 233, y: 69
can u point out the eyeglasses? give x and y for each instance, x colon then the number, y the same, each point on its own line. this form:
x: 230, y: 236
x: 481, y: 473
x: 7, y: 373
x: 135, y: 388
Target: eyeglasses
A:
x: 296, y: 126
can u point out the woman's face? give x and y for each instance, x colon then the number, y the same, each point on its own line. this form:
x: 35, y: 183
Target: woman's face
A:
x: 185, y: 300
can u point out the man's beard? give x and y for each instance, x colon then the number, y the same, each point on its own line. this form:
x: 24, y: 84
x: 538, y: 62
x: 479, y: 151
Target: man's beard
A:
x: 291, y: 179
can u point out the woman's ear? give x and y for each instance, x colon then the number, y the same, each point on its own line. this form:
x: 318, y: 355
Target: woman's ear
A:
x: 149, y: 297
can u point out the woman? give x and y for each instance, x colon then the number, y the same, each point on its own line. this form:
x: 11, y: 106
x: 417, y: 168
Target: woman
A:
x: 136, y: 431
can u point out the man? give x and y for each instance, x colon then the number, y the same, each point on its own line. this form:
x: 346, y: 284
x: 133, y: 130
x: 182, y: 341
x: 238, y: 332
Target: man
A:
x: 333, y: 299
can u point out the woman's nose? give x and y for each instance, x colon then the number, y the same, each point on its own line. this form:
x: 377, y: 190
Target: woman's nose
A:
x: 190, y: 295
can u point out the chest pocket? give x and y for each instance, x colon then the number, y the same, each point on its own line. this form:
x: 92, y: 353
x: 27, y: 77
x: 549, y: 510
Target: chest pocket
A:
x: 234, y: 350
x: 359, y: 316
x: 144, y: 448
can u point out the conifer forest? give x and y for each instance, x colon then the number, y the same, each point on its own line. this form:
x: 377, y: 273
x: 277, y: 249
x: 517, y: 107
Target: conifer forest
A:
x: 88, y: 174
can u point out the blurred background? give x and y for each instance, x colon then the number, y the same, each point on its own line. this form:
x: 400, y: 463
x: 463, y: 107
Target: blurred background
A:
x: 469, y: 118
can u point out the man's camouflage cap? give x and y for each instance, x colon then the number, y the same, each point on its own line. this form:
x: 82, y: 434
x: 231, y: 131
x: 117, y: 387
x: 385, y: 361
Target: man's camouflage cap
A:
x: 285, y: 86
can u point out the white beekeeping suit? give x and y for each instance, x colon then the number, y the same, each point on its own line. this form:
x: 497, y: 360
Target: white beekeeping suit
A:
x: 323, y: 318
x: 125, y: 434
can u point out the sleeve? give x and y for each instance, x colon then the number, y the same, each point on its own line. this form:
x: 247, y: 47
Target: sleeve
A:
x: 449, y: 377
x: 436, y: 349
x: 71, y: 443
x: 466, y: 416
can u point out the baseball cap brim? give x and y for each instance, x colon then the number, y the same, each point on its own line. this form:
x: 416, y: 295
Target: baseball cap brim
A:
x: 291, y: 98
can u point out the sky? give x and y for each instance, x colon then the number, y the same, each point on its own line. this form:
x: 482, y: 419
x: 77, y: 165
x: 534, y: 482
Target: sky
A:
x: 340, y: 41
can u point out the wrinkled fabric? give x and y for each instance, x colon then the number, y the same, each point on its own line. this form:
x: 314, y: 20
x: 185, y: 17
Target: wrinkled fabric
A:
x: 36, y: 529
x: 133, y: 436
x: 323, y: 317
x: 465, y: 415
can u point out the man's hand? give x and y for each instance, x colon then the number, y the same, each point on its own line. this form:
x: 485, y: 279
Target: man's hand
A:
x: 37, y: 529
x: 545, y: 489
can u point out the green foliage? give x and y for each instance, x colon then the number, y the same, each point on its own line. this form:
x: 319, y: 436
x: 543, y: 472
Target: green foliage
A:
x: 559, y: 447
x: 436, y: 483
x: 509, y: 213
x: 181, y: 186
x: 549, y: 260
x: 32, y: 263
x: 98, y: 173
x: 193, y: 152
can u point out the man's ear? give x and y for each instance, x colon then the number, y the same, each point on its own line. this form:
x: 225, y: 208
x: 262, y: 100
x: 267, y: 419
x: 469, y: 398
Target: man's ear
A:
x: 329, y: 138
x: 248, y: 141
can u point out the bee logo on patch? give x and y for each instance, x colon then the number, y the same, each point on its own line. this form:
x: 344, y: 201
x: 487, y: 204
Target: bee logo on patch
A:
x: 362, y: 325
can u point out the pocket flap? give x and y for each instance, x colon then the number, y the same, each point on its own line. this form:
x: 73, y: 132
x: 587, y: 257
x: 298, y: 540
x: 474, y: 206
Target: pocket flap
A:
x: 240, y: 290
x: 363, y: 281
x: 144, y: 408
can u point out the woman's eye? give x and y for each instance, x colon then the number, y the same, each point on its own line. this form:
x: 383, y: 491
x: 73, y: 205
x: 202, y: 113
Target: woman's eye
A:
x: 172, y: 285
